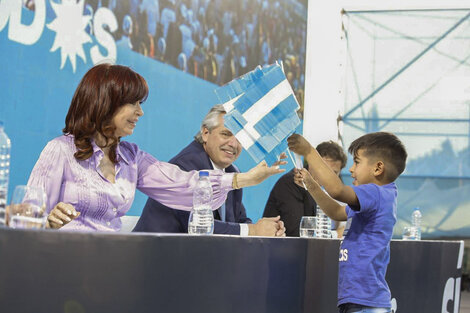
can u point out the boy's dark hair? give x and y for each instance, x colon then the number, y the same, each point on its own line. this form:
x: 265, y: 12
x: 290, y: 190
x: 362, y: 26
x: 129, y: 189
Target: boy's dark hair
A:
x: 334, y: 151
x: 384, y: 146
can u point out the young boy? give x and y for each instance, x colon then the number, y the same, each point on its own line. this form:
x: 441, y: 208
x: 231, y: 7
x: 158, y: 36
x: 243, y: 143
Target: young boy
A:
x: 379, y: 158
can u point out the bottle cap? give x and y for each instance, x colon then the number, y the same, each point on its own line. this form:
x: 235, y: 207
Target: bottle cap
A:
x: 203, y: 173
x: 417, y: 208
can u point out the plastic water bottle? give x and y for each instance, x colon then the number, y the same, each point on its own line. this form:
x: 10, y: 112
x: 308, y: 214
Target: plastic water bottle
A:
x: 5, y: 146
x: 201, y: 219
x: 416, y: 218
x: 323, y: 229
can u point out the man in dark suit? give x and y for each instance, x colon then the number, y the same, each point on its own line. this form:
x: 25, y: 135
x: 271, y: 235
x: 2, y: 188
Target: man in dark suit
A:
x: 214, y: 147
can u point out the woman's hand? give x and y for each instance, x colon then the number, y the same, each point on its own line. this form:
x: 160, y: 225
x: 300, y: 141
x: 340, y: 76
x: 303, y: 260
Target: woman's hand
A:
x: 260, y: 172
x: 299, y: 145
x: 61, y: 214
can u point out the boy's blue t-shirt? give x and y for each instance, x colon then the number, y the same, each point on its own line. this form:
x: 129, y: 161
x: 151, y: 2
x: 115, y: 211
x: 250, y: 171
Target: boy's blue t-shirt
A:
x: 365, y: 250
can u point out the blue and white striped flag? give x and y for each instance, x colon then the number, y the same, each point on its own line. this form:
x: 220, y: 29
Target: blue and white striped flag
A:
x: 261, y: 111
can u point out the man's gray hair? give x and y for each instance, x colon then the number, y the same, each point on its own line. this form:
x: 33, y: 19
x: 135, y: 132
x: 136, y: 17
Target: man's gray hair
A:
x: 211, y: 121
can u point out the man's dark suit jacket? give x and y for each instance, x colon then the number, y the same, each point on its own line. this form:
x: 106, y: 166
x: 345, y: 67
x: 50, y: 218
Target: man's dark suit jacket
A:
x: 291, y: 202
x: 158, y: 218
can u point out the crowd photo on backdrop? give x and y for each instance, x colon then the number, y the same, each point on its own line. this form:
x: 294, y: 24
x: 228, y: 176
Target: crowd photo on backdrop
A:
x: 215, y: 40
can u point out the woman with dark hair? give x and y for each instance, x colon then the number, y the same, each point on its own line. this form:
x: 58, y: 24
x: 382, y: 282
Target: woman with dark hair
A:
x: 90, y: 175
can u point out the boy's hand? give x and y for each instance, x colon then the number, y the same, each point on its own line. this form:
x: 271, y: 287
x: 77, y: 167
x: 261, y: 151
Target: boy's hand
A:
x: 303, y: 176
x: 299, y: 144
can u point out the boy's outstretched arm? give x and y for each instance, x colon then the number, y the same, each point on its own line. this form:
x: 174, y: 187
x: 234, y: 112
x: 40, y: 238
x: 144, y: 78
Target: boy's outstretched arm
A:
x: 321, y: 171
x: 332, y: 208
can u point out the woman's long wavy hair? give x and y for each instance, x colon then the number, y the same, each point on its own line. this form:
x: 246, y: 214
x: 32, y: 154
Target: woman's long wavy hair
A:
x: 101, y: 92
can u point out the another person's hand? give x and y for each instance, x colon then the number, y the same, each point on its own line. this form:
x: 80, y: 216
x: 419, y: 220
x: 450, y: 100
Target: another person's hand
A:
x: 268, y: 227
x: 23, y: 209
x: 61, y: 214
x: 299, y: 144
x: 281, y: 232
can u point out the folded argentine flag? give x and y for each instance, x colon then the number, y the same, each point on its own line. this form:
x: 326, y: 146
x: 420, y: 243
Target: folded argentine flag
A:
x: 261, y: 111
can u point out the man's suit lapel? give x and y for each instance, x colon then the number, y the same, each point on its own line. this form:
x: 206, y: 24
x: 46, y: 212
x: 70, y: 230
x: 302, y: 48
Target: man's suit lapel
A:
x: 229, y: 204
x: 229, y: 212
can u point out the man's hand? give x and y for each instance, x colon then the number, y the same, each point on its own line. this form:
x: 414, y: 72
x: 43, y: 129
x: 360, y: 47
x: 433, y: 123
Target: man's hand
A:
x: 268, y: 227
x: 61, y: 214
x: 299, y: 145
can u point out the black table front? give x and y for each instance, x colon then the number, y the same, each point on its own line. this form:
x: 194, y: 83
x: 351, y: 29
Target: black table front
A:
x: 55, y: 271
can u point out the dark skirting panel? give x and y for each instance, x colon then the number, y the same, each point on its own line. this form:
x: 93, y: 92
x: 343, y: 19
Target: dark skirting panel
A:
x: 54, y: 271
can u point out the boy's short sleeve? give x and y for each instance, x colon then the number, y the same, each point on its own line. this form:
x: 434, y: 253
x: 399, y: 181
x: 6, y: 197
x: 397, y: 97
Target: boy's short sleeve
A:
x: 368, y: 196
